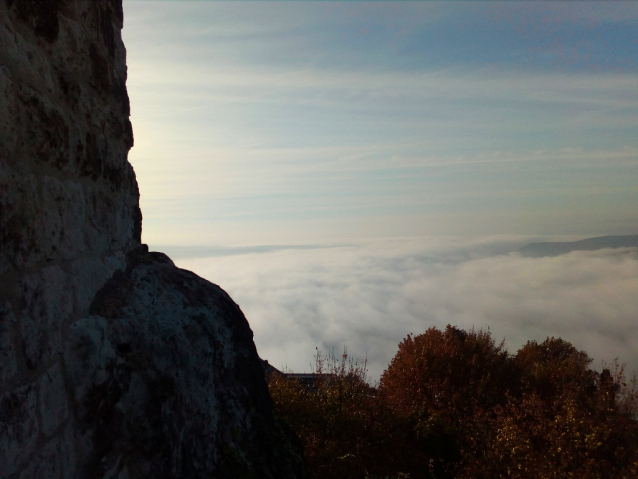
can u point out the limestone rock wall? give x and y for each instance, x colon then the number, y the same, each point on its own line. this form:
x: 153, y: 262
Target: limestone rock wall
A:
x: 113, y: 362
x: 69, y: 199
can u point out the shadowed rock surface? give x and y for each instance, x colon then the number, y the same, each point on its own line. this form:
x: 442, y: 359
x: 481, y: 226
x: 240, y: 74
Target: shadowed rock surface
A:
x: 539, y: 250
x: 113, y: 362
x: 166, y: 363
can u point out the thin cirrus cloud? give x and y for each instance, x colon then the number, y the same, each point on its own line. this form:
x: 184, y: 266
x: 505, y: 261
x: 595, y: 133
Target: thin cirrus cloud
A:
x: 367, y: 296
x: 246, y: 111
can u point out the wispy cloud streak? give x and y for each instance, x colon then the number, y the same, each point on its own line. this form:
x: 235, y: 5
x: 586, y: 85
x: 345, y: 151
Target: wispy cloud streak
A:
x: 249, y: 112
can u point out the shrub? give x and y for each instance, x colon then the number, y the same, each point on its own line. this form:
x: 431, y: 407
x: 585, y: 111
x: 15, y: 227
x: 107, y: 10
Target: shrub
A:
x: 344, y: 430
x: 455, y: 404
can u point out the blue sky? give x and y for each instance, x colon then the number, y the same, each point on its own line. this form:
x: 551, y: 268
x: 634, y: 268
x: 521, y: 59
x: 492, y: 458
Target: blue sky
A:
x: 318, y: 153
x: 266, y: 122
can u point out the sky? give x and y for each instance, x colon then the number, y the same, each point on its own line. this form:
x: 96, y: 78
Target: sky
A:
x: 351, y: 172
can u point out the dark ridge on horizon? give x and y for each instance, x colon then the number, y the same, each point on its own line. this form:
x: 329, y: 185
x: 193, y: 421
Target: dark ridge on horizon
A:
x: 183, y: 252
x: 544, y: 249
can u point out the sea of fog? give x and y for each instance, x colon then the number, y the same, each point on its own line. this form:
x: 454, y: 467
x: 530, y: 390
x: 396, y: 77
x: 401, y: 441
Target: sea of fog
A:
x: 367, y: 296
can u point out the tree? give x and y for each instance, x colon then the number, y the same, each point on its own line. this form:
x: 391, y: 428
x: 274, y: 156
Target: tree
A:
x: 567, y: 421
x: 455, y: 404
x: 344, y: 432
x: 451, y: 373
x: 447, y: 383
x: 555, y: 368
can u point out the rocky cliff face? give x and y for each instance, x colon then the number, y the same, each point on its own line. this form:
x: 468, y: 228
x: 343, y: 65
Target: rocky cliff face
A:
x: 113, y: 362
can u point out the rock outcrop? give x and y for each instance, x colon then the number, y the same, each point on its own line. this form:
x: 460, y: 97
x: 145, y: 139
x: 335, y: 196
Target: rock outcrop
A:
x: 113, y: 362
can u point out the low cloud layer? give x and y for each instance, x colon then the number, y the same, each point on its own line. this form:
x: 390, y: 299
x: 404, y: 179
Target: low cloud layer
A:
x: 369, y: 296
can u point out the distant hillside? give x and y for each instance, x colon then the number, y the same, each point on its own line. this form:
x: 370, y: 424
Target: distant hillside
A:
x: 539, y: 250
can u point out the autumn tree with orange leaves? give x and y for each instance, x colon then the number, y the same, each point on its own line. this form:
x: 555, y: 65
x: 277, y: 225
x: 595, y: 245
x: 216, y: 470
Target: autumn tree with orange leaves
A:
x: 456, y: 404
x: 567, y: 421
x: 447, y: 385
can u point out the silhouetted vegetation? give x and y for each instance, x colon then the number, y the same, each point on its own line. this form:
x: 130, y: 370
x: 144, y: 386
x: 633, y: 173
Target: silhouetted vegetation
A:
x: 454, y: 404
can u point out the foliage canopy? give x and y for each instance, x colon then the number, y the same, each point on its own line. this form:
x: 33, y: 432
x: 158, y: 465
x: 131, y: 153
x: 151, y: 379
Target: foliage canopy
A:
x: 456, y: 404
